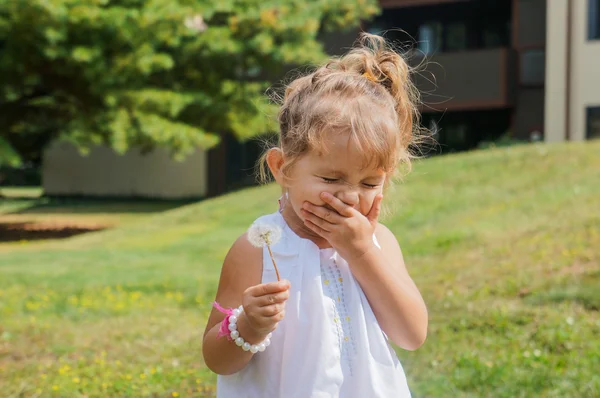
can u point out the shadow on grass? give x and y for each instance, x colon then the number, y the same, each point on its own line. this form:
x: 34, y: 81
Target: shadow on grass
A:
x: 62, y: 217
x: 583, y: 291
x: 28, y: 231
x: 45, y: 205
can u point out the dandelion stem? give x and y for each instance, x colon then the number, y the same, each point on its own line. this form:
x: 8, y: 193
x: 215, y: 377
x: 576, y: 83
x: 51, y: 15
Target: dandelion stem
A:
x: 274, y: 264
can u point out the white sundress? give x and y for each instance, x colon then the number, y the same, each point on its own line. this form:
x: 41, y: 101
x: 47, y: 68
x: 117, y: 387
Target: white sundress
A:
x: 329, y: 344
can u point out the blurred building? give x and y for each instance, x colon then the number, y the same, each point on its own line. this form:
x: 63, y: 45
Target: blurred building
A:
x: 530, y: 68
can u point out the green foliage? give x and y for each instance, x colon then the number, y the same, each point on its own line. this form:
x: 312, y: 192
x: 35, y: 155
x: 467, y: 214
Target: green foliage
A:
x: 8, y: 157
x: 149, y: 73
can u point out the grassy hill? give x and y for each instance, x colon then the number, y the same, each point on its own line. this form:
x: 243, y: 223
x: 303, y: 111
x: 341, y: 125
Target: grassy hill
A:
x: 504, y: 245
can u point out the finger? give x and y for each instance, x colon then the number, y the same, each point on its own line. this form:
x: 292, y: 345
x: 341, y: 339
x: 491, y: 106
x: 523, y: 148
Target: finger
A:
x: 268, y: 288
x: 271, y: 299
x: 373, y: 215
x: 317, y: 220
x: 326, y: 214
x: 277, y: 317
x: 270, y: 321
x: 315, y: 228
x: 338, y: 205
x: 271, y: 310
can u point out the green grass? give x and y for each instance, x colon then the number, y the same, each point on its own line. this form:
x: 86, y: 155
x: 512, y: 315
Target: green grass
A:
x: 21, y: 192
x: 503, y: 244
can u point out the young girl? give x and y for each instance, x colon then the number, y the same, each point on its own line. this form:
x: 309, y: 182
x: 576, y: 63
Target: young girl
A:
x: 325, y: 329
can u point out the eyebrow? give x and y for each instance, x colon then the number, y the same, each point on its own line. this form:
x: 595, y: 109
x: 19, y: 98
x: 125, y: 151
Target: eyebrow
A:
x: 333, y: 171
x: 342, y: 174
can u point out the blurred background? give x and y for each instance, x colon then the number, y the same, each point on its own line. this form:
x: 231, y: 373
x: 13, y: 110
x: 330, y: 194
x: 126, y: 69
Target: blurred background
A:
x: 129, y: 132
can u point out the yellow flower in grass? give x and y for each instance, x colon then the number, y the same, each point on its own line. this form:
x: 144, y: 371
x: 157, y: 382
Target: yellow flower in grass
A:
x: 76, y: 380
x: 175, y: 394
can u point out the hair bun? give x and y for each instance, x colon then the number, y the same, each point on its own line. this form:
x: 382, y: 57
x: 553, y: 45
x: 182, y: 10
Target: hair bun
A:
x: 375, y: 60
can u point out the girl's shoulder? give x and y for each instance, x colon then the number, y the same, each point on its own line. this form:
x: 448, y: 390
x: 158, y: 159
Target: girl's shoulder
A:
x: 388, y: 242
x: 383, y: 232
x: 245, y: 259
x: 243, y: 264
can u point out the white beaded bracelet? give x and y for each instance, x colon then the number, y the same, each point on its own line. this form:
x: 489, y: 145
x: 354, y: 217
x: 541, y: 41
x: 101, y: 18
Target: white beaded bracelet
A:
x: 239, y: 341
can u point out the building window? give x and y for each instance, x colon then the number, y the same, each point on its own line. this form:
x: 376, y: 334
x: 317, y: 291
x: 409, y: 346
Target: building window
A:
x: 533, y: 67
x: 456, y: 37
x: 593, y: 122
x: 455, y: 137
x: 430, y: 37
x: 594, y: 20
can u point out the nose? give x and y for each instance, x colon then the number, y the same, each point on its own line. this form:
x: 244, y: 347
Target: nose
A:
x: 349, y: 196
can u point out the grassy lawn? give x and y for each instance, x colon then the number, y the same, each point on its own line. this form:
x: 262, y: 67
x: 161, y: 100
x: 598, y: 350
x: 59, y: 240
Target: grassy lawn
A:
x: 21, y: 192
x: 503, y: 244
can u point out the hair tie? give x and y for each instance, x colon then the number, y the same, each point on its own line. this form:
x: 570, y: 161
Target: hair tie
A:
x: 370, y: 76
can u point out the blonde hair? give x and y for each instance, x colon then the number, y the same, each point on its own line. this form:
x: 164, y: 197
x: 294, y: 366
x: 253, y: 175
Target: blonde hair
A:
x: 367, y: 94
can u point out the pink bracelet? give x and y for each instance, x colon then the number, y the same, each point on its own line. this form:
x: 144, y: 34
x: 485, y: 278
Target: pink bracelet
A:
x: 229, y: 328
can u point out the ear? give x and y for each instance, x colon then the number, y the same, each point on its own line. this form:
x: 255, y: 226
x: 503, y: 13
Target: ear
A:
x: 275, y: 161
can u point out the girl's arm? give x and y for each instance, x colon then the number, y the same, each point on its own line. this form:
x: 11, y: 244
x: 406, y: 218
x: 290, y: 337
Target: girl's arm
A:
x: 240, y: 284
x: 394, y: 297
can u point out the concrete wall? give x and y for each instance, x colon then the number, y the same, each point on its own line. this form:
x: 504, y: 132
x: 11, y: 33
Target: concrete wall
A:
x: 584, y: 71
x: 105, y: 173
x: 556, y: 64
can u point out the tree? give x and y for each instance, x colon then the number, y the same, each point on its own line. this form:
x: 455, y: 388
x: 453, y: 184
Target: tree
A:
x: 147, y: 73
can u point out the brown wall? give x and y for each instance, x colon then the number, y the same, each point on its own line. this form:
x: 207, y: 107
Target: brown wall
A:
x: 529, y: 114
x: 411, y: 3
x: 468, y: 80
x: 337, y: 43
x: 531, y: 23
x: 529, y: 41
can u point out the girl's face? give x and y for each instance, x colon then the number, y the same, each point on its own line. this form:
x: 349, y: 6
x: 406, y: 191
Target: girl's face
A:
x: 339, y: 172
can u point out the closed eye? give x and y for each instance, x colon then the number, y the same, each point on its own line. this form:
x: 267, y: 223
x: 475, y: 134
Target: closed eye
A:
x: 371, y: 186
x: 329, y: 180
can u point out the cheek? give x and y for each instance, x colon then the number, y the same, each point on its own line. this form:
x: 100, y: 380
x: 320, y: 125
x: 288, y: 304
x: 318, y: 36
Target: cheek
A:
x: 298, y: 197
x: 367, y: 202
x: 311, y: 193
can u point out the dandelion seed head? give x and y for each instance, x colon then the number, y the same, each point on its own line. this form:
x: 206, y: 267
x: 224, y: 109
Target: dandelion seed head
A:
x: 261, y: 234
